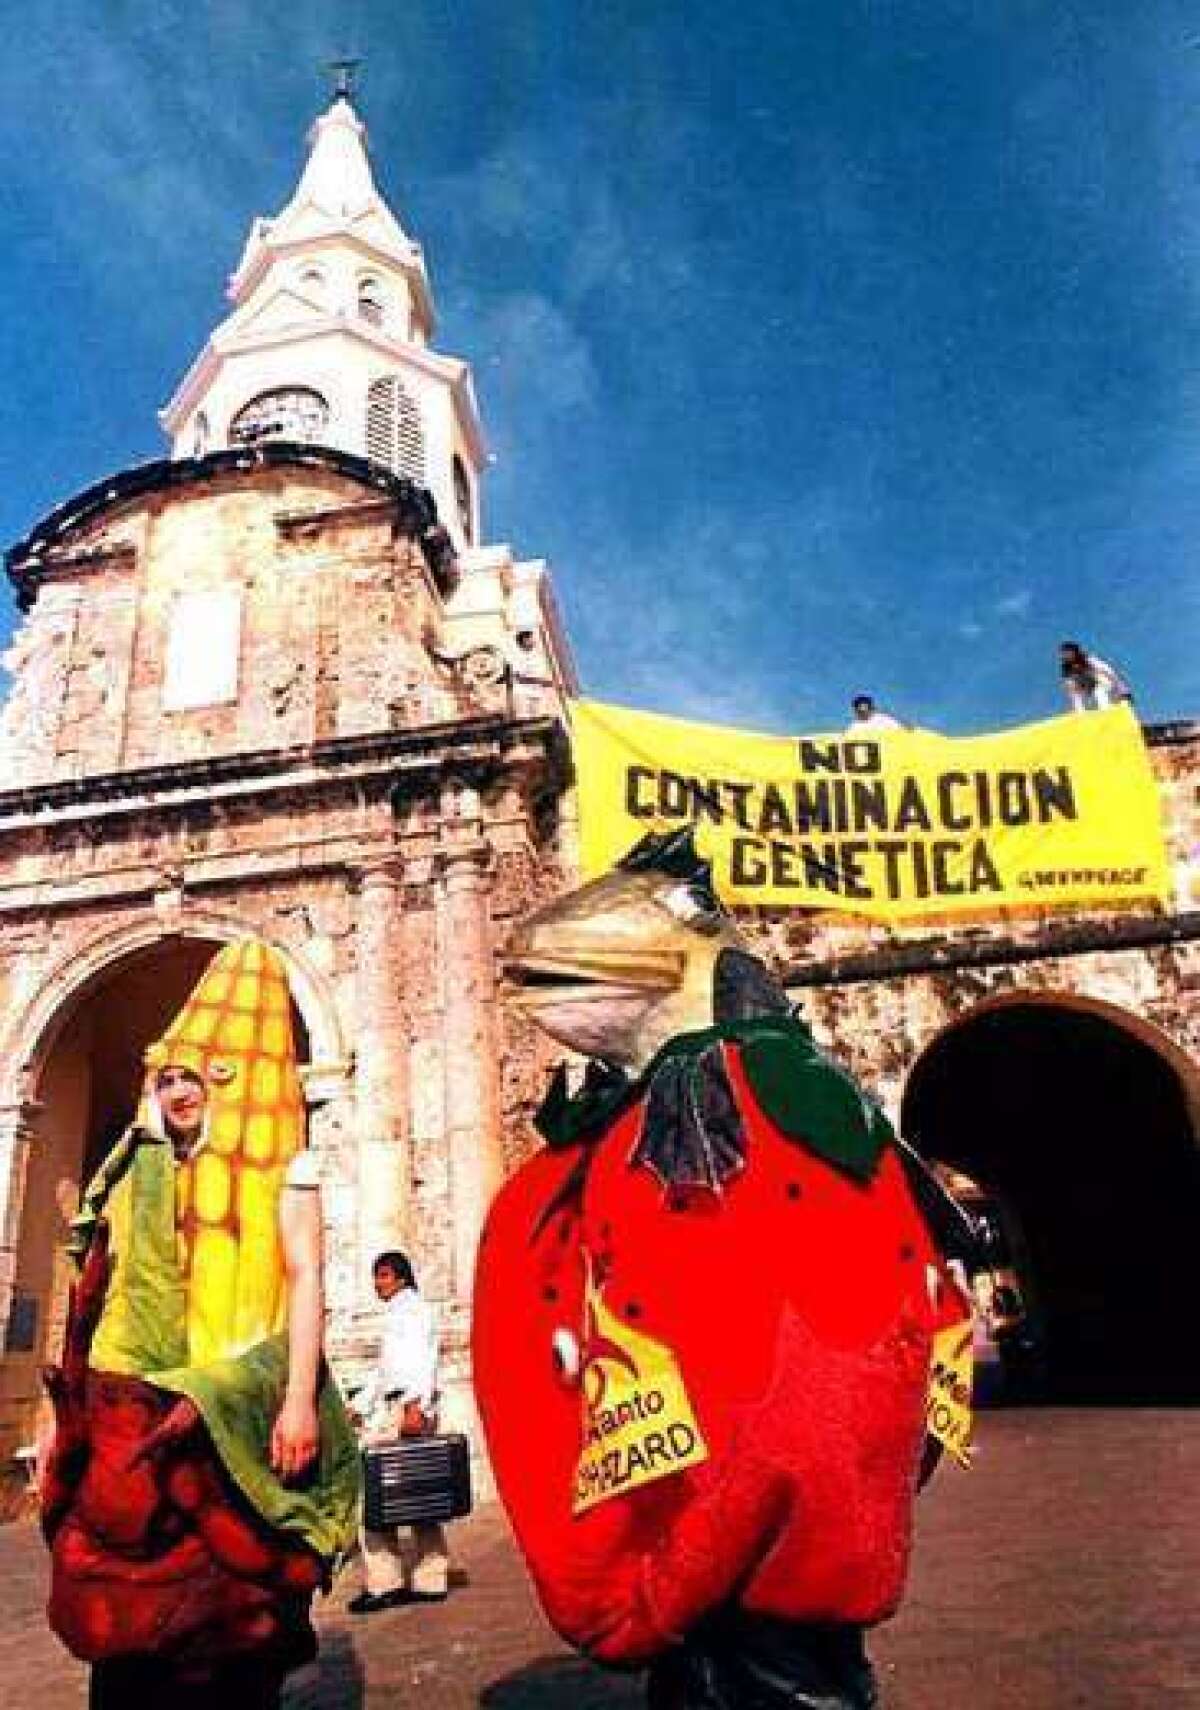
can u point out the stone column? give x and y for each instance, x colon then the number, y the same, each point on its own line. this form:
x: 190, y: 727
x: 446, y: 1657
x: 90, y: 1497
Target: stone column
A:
x: 472, y: 1065
x: 16, y: 1132
x: 333, y: 1137
x: 381, y: 1074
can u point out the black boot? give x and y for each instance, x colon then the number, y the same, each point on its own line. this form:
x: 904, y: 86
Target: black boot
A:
x: 735, y: 1661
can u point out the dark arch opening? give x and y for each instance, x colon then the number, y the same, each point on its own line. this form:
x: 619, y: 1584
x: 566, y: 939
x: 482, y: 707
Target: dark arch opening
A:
x: 126, y: 1009
x: 1082, y: 1134
x: 87, y: 1090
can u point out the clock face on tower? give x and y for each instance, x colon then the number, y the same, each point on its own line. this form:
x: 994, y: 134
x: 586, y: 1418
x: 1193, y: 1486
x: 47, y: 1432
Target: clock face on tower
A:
x: 288, y: 412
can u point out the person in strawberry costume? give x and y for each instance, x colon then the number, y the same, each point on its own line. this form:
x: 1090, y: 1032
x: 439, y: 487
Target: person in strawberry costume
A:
x: 706, y: 1314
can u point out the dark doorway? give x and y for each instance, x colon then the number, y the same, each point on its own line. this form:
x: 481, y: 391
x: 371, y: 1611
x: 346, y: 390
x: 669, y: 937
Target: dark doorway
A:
x: 128, y: 1008
x: 1082, y: 1133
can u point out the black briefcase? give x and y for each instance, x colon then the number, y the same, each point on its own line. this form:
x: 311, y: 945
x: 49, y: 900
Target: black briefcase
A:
x: 416, y: 1480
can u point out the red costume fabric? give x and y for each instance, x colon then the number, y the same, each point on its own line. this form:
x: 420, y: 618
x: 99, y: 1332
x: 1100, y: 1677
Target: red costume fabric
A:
x: 153, y: 1551
x: 798, y: 1301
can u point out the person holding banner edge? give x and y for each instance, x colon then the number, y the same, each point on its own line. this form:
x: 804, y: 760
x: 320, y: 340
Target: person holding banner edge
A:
x: 1089, y: 682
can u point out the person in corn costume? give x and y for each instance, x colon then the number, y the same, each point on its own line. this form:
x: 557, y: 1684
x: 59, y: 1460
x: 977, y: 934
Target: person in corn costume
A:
x: 203, y: 1474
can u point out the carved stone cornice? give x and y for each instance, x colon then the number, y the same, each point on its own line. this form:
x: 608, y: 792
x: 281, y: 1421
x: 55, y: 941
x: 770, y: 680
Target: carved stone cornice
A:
x: 403, y: 760
x: 466, y: 862
x: 19, y: 1122
x: 384, y: 871
x: 949, y: 954
x: 325, y: 1083
x: 1179, y: 730
x: 68, y: 566
x: 313, y: 522
x: 413, y: 509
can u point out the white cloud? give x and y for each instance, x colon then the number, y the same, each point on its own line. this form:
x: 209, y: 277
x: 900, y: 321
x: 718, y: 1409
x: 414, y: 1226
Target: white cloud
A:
x: 721, y: 617
x: 528, y: 341
x: 524, y: 193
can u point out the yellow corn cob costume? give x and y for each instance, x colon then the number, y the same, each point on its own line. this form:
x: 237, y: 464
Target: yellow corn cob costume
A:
x: 197, y: 1298
x: 235, y: 1033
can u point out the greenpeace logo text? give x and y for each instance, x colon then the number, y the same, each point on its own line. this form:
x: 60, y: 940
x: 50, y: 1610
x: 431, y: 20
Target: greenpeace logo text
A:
x: 1077, y: 878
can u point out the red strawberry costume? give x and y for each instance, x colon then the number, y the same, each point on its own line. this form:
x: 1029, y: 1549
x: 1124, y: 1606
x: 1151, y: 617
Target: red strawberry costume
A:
x: 722, y: 1476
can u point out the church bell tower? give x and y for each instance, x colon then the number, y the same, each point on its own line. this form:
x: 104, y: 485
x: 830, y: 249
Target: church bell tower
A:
x: 275, y: 685
x: 329, y: 340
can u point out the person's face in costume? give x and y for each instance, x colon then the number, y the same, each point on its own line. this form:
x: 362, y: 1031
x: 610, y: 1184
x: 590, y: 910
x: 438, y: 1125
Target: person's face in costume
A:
x: 181, y: 1098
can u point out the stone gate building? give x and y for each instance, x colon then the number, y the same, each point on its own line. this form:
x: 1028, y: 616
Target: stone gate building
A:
x: 276, y: 684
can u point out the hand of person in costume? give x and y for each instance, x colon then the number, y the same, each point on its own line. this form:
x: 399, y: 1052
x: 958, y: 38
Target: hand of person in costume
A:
x: 44, y: 1436
x: 412, y: 1420
x: 295, y: 1438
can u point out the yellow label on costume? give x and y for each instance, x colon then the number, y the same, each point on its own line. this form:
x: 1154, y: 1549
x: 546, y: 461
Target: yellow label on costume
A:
x: 892, y: 824
x: 638, y: 1424
x: 948, y: 1410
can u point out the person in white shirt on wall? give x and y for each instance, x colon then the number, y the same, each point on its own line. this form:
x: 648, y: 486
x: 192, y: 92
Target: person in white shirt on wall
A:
x: 1089, y: 682
x: 865, y: 715
x: 401, y: 1400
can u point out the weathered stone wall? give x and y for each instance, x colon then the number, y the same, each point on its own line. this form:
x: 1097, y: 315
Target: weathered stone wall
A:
x: 391, y: 1000
x: 364, y: 804
x: 336, y: 609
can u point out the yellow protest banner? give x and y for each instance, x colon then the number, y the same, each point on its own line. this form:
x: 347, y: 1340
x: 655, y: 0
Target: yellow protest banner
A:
x: 891, y: 824
x: 638, y: 1424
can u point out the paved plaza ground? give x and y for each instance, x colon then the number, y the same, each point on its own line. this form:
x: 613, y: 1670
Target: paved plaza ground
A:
x: 1063, y: 1571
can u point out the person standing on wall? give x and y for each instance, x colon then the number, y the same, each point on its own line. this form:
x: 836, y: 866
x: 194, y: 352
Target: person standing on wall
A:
x: 1089, y: 682
x: 865, y: 715
x: 400, y: 1399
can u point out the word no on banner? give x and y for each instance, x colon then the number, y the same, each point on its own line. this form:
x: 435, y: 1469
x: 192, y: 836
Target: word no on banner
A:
x: 892, y: 824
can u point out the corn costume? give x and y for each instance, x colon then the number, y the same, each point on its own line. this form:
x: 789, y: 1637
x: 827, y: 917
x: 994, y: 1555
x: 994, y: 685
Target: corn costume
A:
x: 197, y: 1552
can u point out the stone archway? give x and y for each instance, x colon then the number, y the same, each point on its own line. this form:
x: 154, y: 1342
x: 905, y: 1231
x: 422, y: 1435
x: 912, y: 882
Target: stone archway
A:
x: 82, y: 1075
x: 90, y: 966
x: 1080, y: 1120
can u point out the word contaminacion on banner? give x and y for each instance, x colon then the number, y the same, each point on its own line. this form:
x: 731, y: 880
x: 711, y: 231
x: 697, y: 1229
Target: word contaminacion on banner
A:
x: 850, y: 802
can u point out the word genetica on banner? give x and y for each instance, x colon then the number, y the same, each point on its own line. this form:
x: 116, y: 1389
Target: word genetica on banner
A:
x: 852, y: 802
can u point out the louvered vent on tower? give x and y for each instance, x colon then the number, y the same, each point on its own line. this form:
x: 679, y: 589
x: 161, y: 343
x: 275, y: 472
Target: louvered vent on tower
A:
x: 394, y: 434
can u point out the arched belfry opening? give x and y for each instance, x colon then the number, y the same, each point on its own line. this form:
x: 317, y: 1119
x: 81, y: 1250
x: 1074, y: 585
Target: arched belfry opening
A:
x: 1079, y: 1123
x: 85, y: 1090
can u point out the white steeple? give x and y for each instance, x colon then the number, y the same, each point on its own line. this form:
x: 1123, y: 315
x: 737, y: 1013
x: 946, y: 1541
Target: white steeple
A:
x: 328, y: 339
x: 337, y: 179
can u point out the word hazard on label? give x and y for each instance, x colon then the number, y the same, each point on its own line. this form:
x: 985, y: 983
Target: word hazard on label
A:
x: 638, y: 1423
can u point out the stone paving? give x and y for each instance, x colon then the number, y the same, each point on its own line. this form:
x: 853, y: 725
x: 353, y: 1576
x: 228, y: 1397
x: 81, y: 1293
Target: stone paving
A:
x: 1063, y: 1572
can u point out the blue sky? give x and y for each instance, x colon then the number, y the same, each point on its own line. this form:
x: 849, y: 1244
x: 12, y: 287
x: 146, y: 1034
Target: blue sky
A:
x: 822, y: 346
